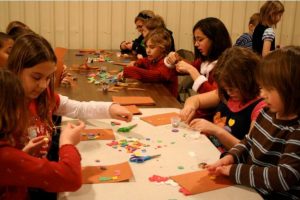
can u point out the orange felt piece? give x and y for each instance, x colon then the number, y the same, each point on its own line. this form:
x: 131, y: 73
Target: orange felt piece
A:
x: 200, y: 181
x: 160, y: 119
x: 92, y: 174
x: 133, y: 100
x: 100, y: 134
x: 134, y: 109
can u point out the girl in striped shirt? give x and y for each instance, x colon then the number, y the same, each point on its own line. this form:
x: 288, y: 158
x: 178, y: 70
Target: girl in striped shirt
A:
x: 268, y: 158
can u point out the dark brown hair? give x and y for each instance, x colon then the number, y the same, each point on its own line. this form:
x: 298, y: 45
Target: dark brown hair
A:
x: 269, y: 11
x: 216, y: 31
x: 236, y: 68
x: 280, y: 70
x: 13, y: 114
x: 144, y: 15
x: 30, y: 50
x: 160, y: 37
x: 16, y: 28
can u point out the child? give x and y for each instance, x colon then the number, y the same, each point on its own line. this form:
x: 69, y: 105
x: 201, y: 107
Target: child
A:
x: 211, y: 38
x: 245, y: 40
x: 18, y: 170
x: 137, y: 46
x: 6, y: 43
x: 152, y: 68
x: 157, y: 22
x: 268, y: 158
x: 263, y: 39
x: 33, y: 59
x: 239, y: 98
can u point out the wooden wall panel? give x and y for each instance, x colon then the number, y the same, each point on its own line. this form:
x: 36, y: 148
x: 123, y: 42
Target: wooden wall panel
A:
x: 104, y: 24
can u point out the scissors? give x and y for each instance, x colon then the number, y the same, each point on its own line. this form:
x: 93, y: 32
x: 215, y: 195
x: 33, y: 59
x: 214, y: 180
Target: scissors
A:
x: 141, y: 159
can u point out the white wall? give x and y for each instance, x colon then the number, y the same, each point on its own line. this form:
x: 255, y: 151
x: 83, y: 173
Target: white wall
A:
x: 104, y: 24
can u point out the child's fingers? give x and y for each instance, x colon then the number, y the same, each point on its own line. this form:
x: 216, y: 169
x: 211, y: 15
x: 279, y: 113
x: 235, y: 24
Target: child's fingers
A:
x: 37, y: 139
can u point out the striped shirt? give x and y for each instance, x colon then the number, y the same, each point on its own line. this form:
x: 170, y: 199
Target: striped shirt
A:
x: 268, y: 158
x: 244, y: 40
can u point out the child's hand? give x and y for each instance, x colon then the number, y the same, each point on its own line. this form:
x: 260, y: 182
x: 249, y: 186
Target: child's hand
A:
x: 71, y: 134
x: 129, y: 45
x: 183, y: 67
x: 120, y: 76
x: 120, y: 112
x: 222, y: 166
x: 204, y: 126
x: 36, y: 144
x: 172, y: 58
x: 131, y: 64
x: 189, y: 109
x: 139, y: 56
x: 124, y: 44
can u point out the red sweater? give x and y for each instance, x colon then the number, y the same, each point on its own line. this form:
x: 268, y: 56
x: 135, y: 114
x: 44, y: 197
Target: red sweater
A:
x: 208, y: 85
x: 149, y: 71
x: 19, y: 170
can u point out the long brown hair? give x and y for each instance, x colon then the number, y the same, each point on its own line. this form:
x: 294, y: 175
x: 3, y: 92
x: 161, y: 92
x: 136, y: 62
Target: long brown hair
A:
x: 30, y: 50
x: 13, y: 112
x: 268, y: 12
x: 236, y: 68
x: 280, y: 70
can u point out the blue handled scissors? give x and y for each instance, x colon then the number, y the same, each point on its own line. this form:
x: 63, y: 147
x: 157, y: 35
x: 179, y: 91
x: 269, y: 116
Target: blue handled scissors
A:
x: 141, y: 159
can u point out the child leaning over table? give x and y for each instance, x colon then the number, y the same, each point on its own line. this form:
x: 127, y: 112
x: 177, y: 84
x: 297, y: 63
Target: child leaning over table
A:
x: 268, y: 158
x: 238, y: 102
x: 18, y: 169
x: 152, y: 68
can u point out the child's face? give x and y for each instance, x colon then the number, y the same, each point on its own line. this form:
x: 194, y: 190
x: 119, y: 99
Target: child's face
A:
x: 233, y: 93
x: 153, y: 51
x: 202, y: 42
x: 139, y: 26
x: 37, y: 78
x: 5, y: 51
x: 145, y: 31
x: 273, y: 100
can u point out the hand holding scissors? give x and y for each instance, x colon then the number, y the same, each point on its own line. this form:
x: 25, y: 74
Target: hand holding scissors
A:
x: 141, y: 159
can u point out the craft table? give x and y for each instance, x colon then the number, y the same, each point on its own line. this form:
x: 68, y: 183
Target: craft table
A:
x: 176, y: 149
x: 84, y: 91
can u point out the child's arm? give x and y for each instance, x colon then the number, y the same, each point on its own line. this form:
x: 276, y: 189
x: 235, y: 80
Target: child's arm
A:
x: 201, y: 101
x: 20, y: 169
x: 147, y: 75
x: 266, y: 47
x: 209, y: 128
x: 91, y: 109
x: 280, y: 177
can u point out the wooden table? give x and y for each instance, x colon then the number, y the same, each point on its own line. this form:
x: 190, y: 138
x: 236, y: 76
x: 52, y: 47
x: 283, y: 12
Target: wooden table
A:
x: 84, y: 91
x: 177, y: 149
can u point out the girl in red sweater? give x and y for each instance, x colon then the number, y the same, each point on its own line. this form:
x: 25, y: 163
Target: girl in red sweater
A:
x: 152, y: 68
x: 19, y: 170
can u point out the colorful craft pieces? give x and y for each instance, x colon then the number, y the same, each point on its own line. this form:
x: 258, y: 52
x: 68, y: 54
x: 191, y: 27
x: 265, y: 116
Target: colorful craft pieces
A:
x: 126, y: 129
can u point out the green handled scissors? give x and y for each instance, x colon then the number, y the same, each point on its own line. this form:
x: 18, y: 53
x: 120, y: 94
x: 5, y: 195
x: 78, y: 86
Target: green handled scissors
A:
x: 141, y: 159
x: 126, y: 129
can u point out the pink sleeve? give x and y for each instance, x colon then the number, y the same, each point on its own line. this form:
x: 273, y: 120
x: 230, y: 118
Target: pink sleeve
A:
x: 257, y: 109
